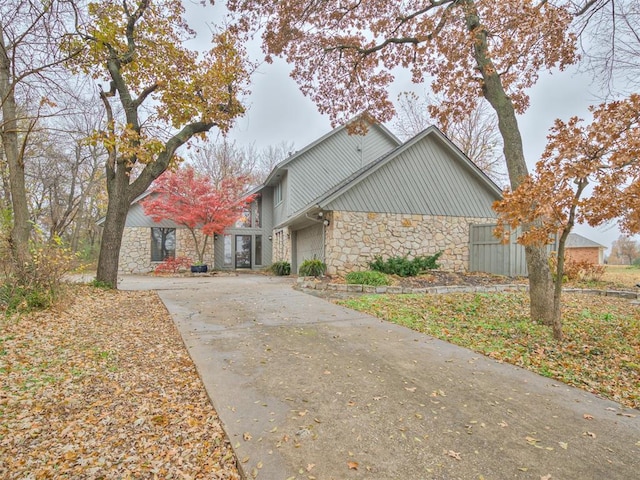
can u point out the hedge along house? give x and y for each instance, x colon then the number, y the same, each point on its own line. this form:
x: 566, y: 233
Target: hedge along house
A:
x: 343, y: 199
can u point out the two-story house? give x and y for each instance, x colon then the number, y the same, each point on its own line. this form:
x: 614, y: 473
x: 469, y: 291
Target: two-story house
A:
x: 344, y: 199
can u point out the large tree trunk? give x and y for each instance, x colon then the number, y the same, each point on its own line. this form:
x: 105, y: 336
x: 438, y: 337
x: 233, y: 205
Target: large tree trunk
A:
x: 117, y: 208
x: 540, y: 281
x: 9, y: 132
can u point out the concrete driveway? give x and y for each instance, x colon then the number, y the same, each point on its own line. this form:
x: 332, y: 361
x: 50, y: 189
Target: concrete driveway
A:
x: 310, y: 390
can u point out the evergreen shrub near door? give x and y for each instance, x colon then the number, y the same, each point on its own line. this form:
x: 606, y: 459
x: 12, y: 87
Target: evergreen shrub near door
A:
x: 281, y: 268
x: 312, y: 268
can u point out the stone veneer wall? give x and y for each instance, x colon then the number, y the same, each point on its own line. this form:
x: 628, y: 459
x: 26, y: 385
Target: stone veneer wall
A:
x: 135, y: 253
x: 354, y: 238
x: 281, y: 245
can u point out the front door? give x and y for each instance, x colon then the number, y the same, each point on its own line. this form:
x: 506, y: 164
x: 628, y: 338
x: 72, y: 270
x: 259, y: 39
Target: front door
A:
x: 243, y: 251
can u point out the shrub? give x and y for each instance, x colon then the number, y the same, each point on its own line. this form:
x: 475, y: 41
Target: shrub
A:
x: 579, y: 271
x: 367, y: 277
x: 312, y: 268
x: 281, y: 268
x: 38, y: 286
x: 173, y: 265
x: 403, y: 266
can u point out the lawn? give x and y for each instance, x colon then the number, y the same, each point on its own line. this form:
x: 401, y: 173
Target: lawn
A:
x: 103, y: 387
x: 601, y: 351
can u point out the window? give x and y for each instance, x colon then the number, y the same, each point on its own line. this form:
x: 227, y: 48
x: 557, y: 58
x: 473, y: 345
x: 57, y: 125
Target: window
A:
x: 251, y: 215
x: 245, y: 219
x: 258, y: 256
x: 228, y: 252
x: 257, y: 212
x: 277, y: 194
x: 163, y: 244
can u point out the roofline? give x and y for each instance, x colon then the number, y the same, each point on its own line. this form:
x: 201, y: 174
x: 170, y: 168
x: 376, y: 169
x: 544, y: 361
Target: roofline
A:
x: 592, y: 243
x: 280, y: 166
x: 369, y: 169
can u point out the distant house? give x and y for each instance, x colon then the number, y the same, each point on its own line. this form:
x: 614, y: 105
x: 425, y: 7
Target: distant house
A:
x: 344, y: 199
x: 581, y: 249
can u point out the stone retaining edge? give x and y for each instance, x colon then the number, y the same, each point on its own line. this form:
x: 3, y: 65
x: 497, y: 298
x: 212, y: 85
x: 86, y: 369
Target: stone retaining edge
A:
x: 311, y: 284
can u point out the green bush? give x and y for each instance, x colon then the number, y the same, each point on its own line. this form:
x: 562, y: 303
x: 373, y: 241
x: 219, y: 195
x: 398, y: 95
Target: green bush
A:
x: 312, y: 268
x: 368, y: 277
x: 403, y: 266
x: 280, y: 268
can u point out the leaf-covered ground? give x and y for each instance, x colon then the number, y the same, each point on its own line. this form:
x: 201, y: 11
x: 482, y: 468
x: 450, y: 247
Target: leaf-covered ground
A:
x: 601, y: 351
x: 104, y: 388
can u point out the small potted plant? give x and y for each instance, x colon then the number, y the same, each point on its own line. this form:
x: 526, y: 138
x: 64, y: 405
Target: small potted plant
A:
x: 199, y: 267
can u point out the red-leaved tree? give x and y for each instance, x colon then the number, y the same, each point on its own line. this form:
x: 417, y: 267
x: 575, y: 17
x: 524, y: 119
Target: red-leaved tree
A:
x: 192, y: 201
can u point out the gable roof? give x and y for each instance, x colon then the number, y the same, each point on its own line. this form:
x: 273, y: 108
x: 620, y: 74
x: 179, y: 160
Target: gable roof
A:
x: 575, y: 240
x: 370, y: 169
x: 277, y: 170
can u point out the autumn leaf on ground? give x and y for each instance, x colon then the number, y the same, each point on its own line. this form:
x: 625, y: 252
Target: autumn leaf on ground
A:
x: 586, y: 416
x: 310, y: 466
x: 247, y: 436
x: 130, y: 391
x: 353, y: 465
x: 410, y: 389
x: 453, y: 454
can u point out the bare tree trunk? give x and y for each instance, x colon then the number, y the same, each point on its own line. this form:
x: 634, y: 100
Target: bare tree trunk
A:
x: 9, y: 132
x: 118, y: 206
x: 540, y: 281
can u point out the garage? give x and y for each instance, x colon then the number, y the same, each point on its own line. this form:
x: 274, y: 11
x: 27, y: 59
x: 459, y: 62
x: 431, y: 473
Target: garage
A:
x: 308, y: 244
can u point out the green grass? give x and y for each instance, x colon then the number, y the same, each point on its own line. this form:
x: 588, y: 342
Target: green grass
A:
x: 600, y: 353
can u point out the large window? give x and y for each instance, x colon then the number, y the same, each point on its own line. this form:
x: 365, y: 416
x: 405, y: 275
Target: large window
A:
x: 251, y: 215
x: 163, y: 244
x: 277, y: 194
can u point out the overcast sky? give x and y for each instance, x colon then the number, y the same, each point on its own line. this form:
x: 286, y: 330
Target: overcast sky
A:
x: 277, y: 112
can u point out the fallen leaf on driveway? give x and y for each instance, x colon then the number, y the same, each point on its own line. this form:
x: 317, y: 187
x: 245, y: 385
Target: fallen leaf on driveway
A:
x: 410, y: 389
x: 247, y: 436
x: 453, y: 454
x: 352, y: 465
x: 586, y: 416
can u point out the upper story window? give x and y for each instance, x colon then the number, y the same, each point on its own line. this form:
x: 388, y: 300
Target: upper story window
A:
x: 251, y: 215
x: 277, y: 194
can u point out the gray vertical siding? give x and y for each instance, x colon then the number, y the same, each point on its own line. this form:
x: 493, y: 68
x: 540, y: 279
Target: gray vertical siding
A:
x: 427, y: 178
x: 488, y: 254
x: 328, y: 163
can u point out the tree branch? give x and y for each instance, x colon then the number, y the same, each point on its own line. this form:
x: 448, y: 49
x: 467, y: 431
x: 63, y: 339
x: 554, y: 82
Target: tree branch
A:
x: 143, y: 96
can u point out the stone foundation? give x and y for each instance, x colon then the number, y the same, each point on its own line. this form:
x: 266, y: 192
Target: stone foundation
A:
x: 354, y: 238
x: 281, y: 245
